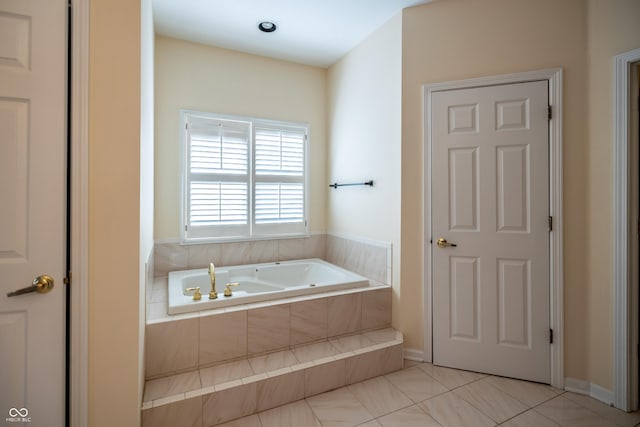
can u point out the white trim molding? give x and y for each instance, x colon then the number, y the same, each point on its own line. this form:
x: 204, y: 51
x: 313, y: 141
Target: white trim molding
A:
x: 79, y: 170
x: 624, y: 385
x: 554, y: 77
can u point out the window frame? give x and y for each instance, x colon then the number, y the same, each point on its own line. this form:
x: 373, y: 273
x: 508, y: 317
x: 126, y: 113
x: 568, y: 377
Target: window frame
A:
x: 250, y: 231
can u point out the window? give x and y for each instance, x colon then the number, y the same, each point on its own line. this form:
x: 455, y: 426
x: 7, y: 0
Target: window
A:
x: 242, y: 178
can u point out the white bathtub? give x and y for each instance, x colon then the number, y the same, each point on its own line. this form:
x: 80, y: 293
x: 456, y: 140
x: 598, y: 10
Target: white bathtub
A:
x: 258, y: 282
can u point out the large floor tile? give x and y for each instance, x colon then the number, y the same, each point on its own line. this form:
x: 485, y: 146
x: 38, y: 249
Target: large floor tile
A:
x: 531, y: 394
x: 294, y: 414
x: 412, y: 416
x: 339, y: 408
x: 531, y: 418
x: 450, y: 378
x: 379, y: 396
x: 417, y: 385
x: 452, y: 411
x: 619, y: 417
x: 569, y: 414
x: 496, y: 404
x: 250, y: 421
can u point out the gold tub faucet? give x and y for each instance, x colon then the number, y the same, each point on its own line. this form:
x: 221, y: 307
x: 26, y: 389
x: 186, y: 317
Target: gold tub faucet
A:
x: 227, y: 289
x: 197, y: 296
x: 212, y: 274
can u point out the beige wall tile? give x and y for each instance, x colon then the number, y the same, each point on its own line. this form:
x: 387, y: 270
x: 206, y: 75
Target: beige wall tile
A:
x: 328, y: 376
x: 268, y: 328
x: 235, y: 253
x: 229, y: 404
x: 308, y: 321
x: 264, y: 251
x: 345, y: 314
x: 363, y: 366
x: 201, y: 255
x: 222, y: 337
x: 170, y: 257
x: 171, y: 347
x: 186, y: 413
x: 280, y: 390
x: 376, y: 309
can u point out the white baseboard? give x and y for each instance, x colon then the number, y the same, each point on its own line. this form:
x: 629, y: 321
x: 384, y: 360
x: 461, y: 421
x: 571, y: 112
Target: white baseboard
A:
x: 588, y: 389
x: 415, y: 355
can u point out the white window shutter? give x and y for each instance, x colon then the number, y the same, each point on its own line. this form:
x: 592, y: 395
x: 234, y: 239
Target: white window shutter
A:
x: 243, y: 177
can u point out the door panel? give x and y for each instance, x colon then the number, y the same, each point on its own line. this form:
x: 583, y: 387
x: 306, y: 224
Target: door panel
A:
x: 490, y: 198
x: 32, y: 209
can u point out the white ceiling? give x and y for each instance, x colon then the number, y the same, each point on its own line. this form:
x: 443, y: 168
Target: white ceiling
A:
x: 314, y: 32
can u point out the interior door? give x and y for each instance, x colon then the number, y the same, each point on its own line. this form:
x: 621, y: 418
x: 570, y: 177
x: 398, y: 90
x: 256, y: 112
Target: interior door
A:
x: 33, y: 86
x: 490, y: 222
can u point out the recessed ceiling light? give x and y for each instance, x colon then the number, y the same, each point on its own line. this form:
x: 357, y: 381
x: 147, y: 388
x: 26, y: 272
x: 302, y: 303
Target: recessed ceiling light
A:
x: 267, y: 26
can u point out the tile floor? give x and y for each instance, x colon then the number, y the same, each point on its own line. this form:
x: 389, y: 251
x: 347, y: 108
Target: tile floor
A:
x: 425, y: 395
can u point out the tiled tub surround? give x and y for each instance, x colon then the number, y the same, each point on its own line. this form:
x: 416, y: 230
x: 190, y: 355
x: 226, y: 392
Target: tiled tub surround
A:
x: 369, y: 258
x: 189, y: 341
x: 235, y: 389
x: 209, y: 367
x: 214, y: 366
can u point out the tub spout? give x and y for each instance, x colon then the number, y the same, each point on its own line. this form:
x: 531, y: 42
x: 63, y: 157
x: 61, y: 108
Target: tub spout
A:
x: 212, y: 274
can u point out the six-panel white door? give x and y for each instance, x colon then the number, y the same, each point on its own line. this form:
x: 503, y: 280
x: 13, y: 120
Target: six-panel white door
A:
x: 32, y: 209
x: 490, y: 198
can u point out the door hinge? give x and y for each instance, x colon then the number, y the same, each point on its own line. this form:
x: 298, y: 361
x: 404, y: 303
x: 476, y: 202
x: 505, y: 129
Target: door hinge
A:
x: 550, y: 223
x: 550, y: 336
x: 549, y: 113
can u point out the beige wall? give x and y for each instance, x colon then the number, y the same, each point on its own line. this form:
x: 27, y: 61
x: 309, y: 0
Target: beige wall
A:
x: 114, y: 221
x: 204, y: 78
x: 613, y: 27
x: 364, y: 126
x: 458, y: 39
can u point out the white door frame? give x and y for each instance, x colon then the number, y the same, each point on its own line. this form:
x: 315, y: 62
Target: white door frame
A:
x: 625, y: 309
x: 554, y: 77
x: 79, y: 165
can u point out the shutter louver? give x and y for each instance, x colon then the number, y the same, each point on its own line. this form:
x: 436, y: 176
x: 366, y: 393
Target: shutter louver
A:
x: 279, y: 202
x: 218, y: 203
x: 279, y: 152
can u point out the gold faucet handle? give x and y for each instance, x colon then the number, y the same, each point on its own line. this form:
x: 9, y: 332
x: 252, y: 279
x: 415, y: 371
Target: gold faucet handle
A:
x: 227, y: 289
x: 197, y: 296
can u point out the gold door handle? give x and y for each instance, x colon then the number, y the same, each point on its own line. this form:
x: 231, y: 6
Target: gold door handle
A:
x: 41, y: 284
x: 442, y: 243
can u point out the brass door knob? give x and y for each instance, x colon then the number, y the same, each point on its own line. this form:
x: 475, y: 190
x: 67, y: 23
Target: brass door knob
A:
x: 442, y: 243
x: 41, y: 284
